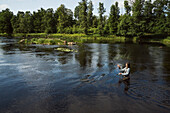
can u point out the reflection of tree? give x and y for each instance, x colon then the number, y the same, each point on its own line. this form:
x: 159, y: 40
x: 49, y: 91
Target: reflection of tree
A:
x: 139, y: 56
x: 112, y: 52
x: 84, y: 57
x: 8, y: 47
x: 64, y: 58
x: 100, y: 55
x: 166, y: 64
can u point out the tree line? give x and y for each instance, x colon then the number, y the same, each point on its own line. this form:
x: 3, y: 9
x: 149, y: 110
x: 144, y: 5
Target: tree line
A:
x: 141, y: 16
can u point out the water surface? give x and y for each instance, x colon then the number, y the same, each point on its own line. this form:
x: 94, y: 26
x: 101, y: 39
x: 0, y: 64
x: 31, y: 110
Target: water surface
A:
x: 37, y: 78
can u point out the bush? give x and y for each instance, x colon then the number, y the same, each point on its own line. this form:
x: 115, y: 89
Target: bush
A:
x: 40, y: 40
x: 95, y: 31
x: 34, y: 40
x: 91, y: 30
x: 68, y: 30
x: 80, y: 30
x: 26, y: 41
x: 46, y: 41
x: 52, y: 42
x: 75, y: 29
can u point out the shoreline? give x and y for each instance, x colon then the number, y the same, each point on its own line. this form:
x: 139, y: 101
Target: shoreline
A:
x: 57, y: 39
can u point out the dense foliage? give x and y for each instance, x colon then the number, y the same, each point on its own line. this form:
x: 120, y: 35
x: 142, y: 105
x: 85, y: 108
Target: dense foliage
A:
x: 141, y: 16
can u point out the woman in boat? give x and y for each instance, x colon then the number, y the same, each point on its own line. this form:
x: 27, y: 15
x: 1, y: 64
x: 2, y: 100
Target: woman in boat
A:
x: 125, y: 72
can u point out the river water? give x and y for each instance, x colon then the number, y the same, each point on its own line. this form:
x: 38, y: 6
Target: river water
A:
x: 40, y: 79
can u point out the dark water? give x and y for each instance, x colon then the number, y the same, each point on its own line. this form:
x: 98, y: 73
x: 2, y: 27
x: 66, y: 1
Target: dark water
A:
x: 39, y: 79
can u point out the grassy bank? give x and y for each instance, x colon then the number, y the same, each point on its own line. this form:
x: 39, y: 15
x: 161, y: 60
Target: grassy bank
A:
x: 45, y: 41
x: 52, y: 39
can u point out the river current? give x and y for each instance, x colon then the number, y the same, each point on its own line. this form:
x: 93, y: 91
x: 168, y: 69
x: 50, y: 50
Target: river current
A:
x: 40, y: 79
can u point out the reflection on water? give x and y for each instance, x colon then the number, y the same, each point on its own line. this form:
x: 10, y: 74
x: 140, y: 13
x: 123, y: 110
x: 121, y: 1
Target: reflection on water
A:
x: 37, y: 78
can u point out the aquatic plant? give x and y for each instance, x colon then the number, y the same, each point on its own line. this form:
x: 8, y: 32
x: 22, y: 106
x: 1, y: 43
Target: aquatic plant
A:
x: 66, y: 50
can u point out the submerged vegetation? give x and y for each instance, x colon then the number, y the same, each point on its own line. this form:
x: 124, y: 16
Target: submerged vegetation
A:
x: 66, y: 50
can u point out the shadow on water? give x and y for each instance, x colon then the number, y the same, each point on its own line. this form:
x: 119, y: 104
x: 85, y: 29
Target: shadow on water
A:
x: 38, y: 78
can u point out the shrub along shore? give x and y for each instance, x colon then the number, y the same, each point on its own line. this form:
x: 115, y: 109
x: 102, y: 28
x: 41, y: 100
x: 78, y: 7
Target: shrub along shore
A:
x: 56, y: 39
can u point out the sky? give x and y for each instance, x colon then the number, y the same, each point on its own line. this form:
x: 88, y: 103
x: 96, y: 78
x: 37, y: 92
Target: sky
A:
x: 34, y: 5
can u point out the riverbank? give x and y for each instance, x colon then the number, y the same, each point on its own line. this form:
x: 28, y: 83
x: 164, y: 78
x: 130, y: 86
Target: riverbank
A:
x: 45, y: 41
x: 55, y: 39
x: 60, y: 39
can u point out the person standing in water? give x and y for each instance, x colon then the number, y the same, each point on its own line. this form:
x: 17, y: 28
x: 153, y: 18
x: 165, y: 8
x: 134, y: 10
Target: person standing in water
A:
x: 125, y: 72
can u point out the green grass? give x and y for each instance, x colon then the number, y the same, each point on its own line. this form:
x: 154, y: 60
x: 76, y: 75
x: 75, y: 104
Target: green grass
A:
x: 18, y: 35
x: 55, y: 38
x: 3, y: 34
x: 167, y: 40
x: 41, y: 41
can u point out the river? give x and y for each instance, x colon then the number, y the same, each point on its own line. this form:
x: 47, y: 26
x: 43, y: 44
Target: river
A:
x: 40, y: 79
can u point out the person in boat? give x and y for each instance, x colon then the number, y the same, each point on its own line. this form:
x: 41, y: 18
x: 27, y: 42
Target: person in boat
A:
x: 125, y: 72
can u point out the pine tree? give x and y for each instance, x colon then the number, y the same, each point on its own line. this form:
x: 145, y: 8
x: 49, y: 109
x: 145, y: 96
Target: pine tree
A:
x: 65, y: 18
x: 113, y: 18
x: 160, y: 9
x: 28, y: 22
x: 90, y: 14
x: 137, y: 17
x: 124, y: 27
x: 101, y: 11
x: 148, y: 16
x: 127, y: 7
x: 83, y: 16
x: 5, y: 21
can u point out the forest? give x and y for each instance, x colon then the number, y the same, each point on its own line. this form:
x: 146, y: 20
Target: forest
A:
x: 140, y: 17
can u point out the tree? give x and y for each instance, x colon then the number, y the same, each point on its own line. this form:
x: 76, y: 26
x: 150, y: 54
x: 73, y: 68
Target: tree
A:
x: 76, y: 12
x: 137, y: 17
x: 168, y: 19
x: 148, y: 16
x: 90, y: 14
x: 5, y: 21
x: 28, y: 22
x: 61, y: 18
x: 160, y: 9
x: 43, y: 20
x: 106, y: 25
x: 38, y: 23
x: 95, y: 21
x: 49, y: 21
x: 101, y: 11
x: 65, y: 18
x: 69, y: 18
x: 145, y: 17
x: 123, y: 26
x: 117, y: 11
x: 83, y: 16
x: 56, y: 16
x: 21, y: 22
x: 113, y: 18
x: 76, y: 15
x: 127, y: 7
